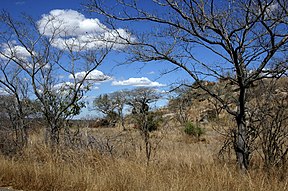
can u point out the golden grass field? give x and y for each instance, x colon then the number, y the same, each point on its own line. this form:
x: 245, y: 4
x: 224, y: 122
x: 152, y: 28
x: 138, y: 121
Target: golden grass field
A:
x: 178, y: 163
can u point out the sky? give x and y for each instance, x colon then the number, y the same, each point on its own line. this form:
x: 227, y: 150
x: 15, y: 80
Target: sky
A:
x: 119, y: 75
x: 115, y: 74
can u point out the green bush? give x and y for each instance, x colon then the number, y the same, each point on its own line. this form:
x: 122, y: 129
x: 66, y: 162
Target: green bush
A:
x: 193, y: 130
x: 154, y: 120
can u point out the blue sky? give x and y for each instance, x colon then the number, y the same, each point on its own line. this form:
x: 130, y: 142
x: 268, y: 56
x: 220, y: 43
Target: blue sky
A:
x: 79, y: 24
x: 125, y: 76
x: 122, y: 76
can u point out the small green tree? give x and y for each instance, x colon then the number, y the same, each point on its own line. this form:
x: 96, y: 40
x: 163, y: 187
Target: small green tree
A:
x: 139, y: 99
x: 111, y: 106
x: 193, y: 130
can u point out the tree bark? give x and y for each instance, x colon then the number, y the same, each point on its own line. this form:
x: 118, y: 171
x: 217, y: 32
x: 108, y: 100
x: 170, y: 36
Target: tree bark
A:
x: 241, y: 146
x: 54, y: 136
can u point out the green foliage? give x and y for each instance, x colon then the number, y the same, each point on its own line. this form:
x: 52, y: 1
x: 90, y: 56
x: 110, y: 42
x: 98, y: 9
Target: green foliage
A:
x: 112, y: 118
x: 153, y: 121
x: 193, y: 130
x: 111, y: 105
x: 104, y: 103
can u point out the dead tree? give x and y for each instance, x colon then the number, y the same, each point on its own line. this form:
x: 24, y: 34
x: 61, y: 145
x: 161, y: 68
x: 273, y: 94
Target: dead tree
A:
x: 247, y: 38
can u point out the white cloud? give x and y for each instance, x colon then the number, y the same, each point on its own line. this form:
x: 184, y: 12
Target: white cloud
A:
x: 272, y: 9
x: 95, y: 76
x: 3, y: 91
x: 95, y: 88
x: 63, y: 86
x: 68, y: 23
x: 143, y: 81
x: 74, y: 30
x: 19, y: 53
x: 11, y: 50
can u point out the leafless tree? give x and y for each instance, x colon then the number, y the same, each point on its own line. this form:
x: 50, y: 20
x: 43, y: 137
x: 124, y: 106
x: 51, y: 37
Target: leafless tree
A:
x: 13, y: 133
x: 37, y: 58
x: 181, y: 104
x: 16, y: 105
x: 247, y: 38
x: 269, y: 120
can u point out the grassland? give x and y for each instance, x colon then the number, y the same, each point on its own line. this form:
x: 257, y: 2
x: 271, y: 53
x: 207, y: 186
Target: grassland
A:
x: 118, y: 162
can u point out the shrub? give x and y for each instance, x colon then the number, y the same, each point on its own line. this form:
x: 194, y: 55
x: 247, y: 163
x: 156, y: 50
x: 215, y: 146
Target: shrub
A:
x: 193, y: 130
x: 154, y: 120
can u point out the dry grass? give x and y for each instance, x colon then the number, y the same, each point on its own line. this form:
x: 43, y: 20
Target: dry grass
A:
x: 178, y: 165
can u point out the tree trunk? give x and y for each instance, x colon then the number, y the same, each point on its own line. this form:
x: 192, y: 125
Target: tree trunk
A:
x: 21, y: 133
x: 54, y: 136
x: 24, y: 136
x: 24, y: 132
x: 241, y: 146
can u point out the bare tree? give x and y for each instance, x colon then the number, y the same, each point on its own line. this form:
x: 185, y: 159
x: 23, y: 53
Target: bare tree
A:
x: 15, y: 102
x: 269, y: 120
x: 247, y: 38
x: 181, y: 104
x: 35, y: 53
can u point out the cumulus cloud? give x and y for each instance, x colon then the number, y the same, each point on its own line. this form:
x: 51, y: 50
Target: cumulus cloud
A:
x: 72, y: 29
x: 19, y: 53
x: 68, y: 23
x: 11, y: 50
x: 61, y: 88
x: 95, y: 75
x: 64, y: 87
x: 139, y: 82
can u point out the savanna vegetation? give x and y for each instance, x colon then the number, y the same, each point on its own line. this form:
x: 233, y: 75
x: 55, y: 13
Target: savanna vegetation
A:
x: 226, y: 130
